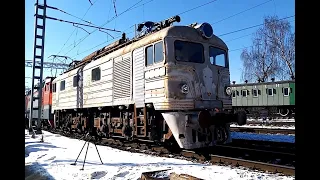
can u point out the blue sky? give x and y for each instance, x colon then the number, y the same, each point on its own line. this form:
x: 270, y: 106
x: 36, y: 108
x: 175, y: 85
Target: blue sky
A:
x: 101, y: 11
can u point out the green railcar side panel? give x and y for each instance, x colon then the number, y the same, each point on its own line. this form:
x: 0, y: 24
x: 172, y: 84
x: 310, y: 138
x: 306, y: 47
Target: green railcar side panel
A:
x: 281, y: 97
x: 269, y: 97
x: 276, y: 94
x: 238, y: 95
x: 244, y: 99
x: 255, y: 100
x: 292, y: 94
x: 286, y: 99
x: 260, y: 94
x: 264, y: 95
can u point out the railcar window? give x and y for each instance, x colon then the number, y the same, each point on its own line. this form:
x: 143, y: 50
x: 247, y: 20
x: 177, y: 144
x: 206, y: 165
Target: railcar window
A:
x: 255, y: 93
x: 237, y: 93
x: 158, y: 52
x: 62, y: 85
x: 149, y: 53
x: 96, y: 74
x: 244, y: 93
x: 188, y: 51
x: 75, y: 81
x: 270, y: 92
x: 218, y: 57
x: 286, y: 91
x: 233, y: 94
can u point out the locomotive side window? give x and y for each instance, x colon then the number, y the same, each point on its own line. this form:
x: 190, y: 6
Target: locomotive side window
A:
x: 255, y: 93
x: 95, y: 74
x: 62, y: 85
x: 75, y: 81
x: 158, y: 52
x: 218, y: 57
x: 188, y: 51
x: 149, y: 55
x: 286, y: 91
x: 154, y: 53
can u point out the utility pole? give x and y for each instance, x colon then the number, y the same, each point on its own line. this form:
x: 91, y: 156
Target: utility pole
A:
x: 37, y: 63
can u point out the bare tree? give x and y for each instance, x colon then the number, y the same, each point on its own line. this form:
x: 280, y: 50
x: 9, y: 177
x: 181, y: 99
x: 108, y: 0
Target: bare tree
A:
x: 260, y: 61
x: 272, y: 53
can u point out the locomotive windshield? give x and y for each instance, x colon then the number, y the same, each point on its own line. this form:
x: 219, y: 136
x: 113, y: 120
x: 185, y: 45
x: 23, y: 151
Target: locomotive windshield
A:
x: 218, y: 57
x: 189, y: 51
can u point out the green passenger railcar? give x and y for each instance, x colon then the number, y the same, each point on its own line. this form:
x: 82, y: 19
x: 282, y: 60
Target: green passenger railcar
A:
x: 265, y: 99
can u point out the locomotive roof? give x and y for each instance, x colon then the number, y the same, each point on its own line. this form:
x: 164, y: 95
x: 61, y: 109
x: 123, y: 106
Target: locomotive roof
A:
x: 262, y: 83
x: 180, y: 32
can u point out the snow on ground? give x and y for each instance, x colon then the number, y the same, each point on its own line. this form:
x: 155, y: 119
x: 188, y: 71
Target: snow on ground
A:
x: 53, y: 157
x: 263, y: 126
x: 275, y: 120
x: 263, y: 137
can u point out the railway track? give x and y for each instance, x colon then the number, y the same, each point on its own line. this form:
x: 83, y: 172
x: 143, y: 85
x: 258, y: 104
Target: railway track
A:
x: 261, y: 130
x: 257, y: 159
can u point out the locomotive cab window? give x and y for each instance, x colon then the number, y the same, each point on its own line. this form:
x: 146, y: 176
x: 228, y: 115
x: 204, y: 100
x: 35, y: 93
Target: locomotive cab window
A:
x: 188, y: 51
x: 218, y: 57
x: 75, y: 81
x: 95, y: 74
x: 62, y: 85
x: 286, y: 91
x: 154, y: 53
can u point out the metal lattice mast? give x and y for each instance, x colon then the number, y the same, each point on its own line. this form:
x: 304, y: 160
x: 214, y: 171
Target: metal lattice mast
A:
x: 37, y: 63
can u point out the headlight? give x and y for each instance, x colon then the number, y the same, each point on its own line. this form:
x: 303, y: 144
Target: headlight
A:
x: 228, y: 91
x: 185, y: 89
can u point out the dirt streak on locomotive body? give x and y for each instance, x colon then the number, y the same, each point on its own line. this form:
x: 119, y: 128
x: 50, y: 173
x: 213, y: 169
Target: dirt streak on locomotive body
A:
x: 168, y: 85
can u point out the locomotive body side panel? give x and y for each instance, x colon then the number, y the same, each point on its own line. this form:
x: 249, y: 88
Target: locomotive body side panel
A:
x: 65, y: 91
x: 155, y: 75
x: 122, y: 80
x: 138, y: 57
x: 98, y: 83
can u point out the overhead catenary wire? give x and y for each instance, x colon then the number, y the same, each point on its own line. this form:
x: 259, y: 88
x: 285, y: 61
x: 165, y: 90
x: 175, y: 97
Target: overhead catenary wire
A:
x: 149, y: 2
x: 81, y: 19
x: 61, y: 20
x: 194, y: 9
x: 242, y: 11
x: 114, y: 17
x: 250, y: 27
x: 245, y: 35
x: 76, y: 28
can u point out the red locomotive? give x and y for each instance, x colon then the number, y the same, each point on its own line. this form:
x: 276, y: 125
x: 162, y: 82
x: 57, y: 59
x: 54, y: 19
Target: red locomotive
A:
x: 46, y: 105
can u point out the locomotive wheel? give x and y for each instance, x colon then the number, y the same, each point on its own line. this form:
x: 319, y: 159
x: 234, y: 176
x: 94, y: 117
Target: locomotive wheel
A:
x: 284, y: 112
